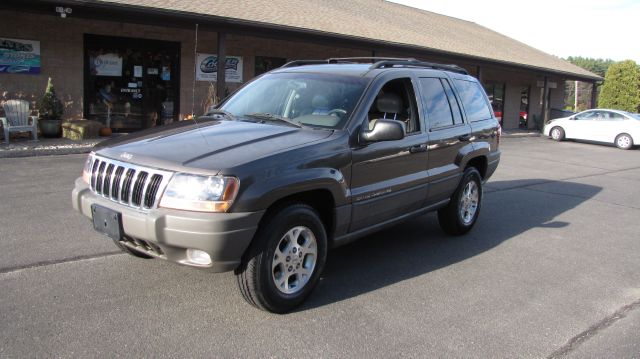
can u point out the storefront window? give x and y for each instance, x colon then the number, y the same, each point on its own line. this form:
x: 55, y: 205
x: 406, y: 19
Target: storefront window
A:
x: 266, y: 64
x: 131, y: 84
x: 495, y: 91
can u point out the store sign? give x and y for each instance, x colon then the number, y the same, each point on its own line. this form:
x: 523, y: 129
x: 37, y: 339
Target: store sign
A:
x: 106, y: 65
x: 19, y: 56
x: 207, y: 68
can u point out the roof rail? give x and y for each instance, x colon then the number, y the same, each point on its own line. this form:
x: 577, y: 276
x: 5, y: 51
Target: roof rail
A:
x: 380, y: 63
x: 417, y: 63
x: 304, y: 62
x: 335, y: 60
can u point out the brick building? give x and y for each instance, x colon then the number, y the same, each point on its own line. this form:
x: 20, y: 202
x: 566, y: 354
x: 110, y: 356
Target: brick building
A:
x: 133, y: 64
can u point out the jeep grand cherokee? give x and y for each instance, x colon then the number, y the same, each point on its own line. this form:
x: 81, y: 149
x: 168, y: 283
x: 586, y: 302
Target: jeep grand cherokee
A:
x: 307, y: 157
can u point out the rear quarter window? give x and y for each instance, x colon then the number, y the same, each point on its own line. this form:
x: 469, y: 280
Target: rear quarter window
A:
x: 473, y: 100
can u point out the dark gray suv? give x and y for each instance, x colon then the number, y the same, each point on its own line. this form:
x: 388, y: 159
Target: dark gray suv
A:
x: 307, y: 157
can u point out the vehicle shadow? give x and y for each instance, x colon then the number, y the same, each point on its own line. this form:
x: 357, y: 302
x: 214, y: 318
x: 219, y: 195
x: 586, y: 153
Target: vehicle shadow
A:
x: 419, y: 246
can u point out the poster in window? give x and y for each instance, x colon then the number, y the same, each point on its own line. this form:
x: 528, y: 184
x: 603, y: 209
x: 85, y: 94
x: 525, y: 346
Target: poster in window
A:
x: 207, y: 68
x: 266, y: 64
x: 19, y: 56
x: 106, y: 65
x: 166, y: 73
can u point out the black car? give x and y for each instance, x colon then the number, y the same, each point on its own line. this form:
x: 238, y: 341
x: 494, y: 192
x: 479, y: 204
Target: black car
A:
x: 307, y: 157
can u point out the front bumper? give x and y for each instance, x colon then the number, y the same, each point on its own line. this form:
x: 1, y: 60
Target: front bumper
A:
x: 167, y: 234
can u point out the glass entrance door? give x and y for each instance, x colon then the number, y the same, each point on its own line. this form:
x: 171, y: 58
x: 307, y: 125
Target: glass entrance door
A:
x: 495, y: 92
x: 524, y: 107
x: 131, y: 84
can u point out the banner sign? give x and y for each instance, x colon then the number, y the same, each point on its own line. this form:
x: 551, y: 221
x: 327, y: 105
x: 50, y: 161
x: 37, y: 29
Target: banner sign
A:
x: 19, y: 56
x: 106, y: 65
x: 207, y: 68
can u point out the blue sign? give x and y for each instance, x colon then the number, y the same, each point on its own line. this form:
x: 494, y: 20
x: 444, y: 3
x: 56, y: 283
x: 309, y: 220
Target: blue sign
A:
x: 19, y: 56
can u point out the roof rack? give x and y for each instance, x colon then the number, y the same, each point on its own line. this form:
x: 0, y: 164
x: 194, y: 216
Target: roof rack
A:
x: 380, y: 63
x: 416, y: 63
x: 335, y: 60
x: 304, y: 62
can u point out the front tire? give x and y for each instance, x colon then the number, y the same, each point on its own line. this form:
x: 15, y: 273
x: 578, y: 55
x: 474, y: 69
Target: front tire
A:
x: 285, y: 260
x: 624, y: 141
x: 557, y: 133
x: 459, y: 216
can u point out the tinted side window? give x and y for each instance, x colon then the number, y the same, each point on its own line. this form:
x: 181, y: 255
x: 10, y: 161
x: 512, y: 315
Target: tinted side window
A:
x: 473, y: 100
x: 453, y: 102
x: 435, y: 103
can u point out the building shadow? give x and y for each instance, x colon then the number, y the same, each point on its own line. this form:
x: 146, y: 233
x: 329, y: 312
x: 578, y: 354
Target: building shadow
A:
x: 418, y: 246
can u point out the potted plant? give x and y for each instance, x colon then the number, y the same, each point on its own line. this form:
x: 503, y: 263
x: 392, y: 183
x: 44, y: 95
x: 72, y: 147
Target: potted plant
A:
x: 50, y: 109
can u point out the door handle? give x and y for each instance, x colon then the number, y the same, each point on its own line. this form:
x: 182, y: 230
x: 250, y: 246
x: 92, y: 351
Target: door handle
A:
x: 418, y: 148
x: 464, y: 138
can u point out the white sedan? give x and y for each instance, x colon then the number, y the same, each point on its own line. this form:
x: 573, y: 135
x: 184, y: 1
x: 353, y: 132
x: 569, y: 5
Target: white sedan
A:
x: 612, y: 126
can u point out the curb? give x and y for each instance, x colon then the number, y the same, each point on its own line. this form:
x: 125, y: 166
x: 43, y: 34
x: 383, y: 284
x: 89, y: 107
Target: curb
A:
x: 521, y: 134
x: 47, y: 147
x: 44, y: 152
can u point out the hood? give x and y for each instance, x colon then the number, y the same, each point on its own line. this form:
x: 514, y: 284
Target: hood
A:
x: 208, y: 145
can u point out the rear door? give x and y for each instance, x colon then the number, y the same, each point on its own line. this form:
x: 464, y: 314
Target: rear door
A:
x: 448, y: 134
x: 609, y: 125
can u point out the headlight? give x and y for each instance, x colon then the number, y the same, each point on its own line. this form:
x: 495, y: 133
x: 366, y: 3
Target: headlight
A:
x: 200, y: 193
x: 86, y: 171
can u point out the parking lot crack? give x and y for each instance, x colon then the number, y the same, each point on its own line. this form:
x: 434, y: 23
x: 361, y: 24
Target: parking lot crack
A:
x: 580, y: 197
x: 57, y: 261
x: 592, y: 331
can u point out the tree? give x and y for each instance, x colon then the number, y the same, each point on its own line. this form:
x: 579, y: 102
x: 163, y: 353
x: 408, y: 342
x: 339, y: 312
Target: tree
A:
x: 598, y: 67
x: 50, y: 106
x: 621, y: 88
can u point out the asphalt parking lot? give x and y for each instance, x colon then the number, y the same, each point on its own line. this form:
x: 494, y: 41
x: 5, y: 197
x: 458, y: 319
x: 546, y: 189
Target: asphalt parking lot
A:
x: 550, y: 270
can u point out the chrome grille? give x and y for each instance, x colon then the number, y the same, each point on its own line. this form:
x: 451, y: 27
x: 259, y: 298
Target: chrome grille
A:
x: 126, y: 183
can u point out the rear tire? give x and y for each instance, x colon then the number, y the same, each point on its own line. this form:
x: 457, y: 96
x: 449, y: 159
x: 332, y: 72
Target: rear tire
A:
x: 131, y: 252
x: 285, y: 260
x: 557, y: 133
x: 624, y: 141
x: 459, y: 216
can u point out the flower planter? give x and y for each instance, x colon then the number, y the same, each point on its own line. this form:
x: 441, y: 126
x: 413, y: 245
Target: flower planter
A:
x: 50, y: 128
x: 105, y: 131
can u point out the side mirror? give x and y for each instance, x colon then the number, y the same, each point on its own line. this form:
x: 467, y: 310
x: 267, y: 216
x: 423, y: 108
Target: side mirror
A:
x: 383, y: 130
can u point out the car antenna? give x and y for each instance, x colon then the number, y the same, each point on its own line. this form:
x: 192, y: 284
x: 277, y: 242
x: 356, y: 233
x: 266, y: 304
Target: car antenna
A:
x: 193, y: 87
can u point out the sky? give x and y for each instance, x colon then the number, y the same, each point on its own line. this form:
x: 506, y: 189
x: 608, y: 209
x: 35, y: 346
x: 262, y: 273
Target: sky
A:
x: 588, y: 28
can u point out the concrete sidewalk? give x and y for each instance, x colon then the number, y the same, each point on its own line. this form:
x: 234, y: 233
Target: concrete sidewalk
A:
x: 24, y: 147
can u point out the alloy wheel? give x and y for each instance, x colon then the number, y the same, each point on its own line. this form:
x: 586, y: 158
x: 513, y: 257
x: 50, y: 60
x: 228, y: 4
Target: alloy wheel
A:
x: 469, y: 202
x: 294, y: 260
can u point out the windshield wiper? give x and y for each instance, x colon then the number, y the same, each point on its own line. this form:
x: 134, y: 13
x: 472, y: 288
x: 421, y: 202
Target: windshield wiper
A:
x: 216, y: 111
x: 272, y: 117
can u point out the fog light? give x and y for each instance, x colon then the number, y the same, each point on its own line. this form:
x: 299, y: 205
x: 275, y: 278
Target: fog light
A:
x: 198, y: 257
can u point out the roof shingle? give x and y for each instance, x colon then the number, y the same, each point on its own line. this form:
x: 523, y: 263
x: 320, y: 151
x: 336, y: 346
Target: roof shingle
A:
x: 376, y: 20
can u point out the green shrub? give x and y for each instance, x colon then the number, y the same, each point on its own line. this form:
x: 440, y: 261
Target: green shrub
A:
x: 621, y: 88
x: 49, y: 106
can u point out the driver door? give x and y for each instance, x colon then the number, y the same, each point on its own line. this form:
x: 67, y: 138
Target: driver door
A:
x: 389, y: 178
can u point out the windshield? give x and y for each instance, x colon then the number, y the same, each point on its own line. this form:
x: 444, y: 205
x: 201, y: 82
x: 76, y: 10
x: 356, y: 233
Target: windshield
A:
x: 318, y: 100
x: 633, y: 115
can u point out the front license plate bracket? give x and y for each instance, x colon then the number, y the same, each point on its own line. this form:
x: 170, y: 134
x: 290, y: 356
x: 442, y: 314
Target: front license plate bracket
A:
x: 107, y: 221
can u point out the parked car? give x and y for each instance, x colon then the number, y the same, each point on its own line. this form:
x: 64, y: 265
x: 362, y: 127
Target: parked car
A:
x: 307, y: 157
x: 600, y: 125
